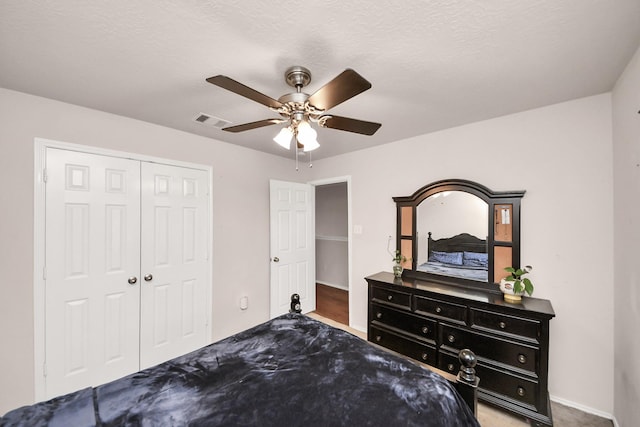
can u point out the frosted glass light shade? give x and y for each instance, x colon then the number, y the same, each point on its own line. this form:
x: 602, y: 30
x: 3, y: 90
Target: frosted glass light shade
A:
x: 307, y: 136
x: 283, y: 138
x: 311, y: 145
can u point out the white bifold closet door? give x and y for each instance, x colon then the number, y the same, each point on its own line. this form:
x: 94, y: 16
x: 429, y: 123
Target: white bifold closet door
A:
x: 126, y: 266
x: 174, y: 238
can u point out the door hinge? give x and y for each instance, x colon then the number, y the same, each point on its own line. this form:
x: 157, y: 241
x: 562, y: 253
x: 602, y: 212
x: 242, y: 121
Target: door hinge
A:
x: 44, y: 369
x: 44, y: 273
x: 44, y: 175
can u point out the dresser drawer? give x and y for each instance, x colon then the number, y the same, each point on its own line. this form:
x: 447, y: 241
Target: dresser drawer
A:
x: 430, y: 306
x: 513, y: 387
x: 416, y: 350
x: 448, y: 363
x: 387, y: 296
x: 503, y: 323
x: 419, y: 326
x: 492, y: 348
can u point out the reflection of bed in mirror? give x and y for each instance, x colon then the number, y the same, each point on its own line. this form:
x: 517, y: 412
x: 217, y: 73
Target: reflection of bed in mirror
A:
x: 463, y: 256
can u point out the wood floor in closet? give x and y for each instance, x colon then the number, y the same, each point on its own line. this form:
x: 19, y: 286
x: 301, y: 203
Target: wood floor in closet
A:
x: 332, y: 303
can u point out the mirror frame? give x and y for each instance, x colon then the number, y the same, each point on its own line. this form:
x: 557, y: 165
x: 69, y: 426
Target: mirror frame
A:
x: 493, y: 199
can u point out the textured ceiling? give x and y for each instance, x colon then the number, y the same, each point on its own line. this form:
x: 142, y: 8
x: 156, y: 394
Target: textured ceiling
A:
x: 432, y: 64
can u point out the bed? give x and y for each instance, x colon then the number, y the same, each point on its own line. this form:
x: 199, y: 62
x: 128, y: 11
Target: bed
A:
x: 462, y: 256
x: 289, y: 371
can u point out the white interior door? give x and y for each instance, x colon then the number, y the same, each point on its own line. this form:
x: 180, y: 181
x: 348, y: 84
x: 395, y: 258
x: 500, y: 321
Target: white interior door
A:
x: 292, y: 246
x: 175, y: 262
x: 92, y: 250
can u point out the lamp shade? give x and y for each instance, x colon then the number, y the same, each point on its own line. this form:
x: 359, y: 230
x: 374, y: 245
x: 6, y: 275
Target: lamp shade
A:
x: 283, y: 138
x: 307, y: 136
x: 311, y: 145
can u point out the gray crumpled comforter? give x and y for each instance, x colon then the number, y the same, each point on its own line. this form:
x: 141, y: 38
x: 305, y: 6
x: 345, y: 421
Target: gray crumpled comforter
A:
x: 289, y: 371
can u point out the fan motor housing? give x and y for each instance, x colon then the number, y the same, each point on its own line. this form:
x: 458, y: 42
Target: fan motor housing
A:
x: 297, y: 76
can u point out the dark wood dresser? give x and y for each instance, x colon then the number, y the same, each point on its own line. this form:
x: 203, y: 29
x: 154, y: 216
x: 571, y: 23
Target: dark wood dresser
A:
x: 431, y: 322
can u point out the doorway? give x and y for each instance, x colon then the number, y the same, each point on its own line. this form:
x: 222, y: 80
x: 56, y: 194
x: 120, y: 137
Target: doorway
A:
x: 333, y: 249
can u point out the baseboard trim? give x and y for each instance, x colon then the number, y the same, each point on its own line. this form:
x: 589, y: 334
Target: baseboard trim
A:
x: 584, y: 408
x: 333, y: 285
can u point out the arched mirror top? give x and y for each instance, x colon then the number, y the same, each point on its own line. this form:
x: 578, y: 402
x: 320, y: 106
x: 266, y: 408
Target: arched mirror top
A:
x: 459, y: 232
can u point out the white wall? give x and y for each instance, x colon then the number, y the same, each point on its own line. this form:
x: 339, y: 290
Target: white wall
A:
x: 626, y: 166
x: 562, y: 156
x: 240, y: 217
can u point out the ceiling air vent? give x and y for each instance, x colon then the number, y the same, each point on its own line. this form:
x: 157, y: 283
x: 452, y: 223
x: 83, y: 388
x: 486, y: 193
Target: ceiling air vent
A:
x: 209, y: 120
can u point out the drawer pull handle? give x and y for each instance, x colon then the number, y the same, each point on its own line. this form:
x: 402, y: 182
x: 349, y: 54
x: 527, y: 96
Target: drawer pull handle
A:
x: 438, y: 309
x: 424, y: 356
x: 521, y: 391
x: 379, y: 315
x: 378, y: 338
x: 522, y: 358
x: 451, y: 367
x: 502, y: 325
x: 425, y: 330
x: 451, y: 338
x: 390, y: 297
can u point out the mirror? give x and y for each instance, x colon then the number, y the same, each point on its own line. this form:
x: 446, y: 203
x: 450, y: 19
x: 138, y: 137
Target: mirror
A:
x: 451, y: 234
x: 459, y: 232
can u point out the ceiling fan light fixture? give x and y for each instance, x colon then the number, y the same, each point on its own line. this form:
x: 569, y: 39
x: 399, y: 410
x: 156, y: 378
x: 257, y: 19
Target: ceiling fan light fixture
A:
x: 311, y: 145
x: 307, y: 136
x: 283, y: 138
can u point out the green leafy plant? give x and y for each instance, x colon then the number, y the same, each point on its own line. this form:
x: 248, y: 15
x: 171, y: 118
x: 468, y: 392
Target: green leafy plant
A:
x: 398, y: 258
x: 520, y: 284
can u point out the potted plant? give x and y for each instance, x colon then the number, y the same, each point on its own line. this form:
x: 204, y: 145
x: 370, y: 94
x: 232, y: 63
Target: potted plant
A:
x: 398, y: 260
x: 515, y: 285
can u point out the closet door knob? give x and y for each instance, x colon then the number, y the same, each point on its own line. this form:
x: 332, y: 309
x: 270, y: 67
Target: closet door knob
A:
x: 276, y: 259
x: 425, y: 329
x: 132, y: 280
x: 148, y: 277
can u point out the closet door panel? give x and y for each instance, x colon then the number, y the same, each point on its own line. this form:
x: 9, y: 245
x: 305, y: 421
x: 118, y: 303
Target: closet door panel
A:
x: 174, y: 262
x: 92, y: 248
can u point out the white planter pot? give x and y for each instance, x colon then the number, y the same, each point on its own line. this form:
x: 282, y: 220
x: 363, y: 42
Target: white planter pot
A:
x: 507, y: 289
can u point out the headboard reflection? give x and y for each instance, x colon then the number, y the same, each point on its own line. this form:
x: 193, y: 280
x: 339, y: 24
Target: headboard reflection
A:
x: 463, y: 256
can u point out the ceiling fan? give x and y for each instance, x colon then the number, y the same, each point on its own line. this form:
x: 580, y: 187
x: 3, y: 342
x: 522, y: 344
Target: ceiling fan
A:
x: 299, y: 108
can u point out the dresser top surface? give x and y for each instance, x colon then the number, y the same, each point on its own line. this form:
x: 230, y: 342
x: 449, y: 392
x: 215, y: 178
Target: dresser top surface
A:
x: 528, y: 304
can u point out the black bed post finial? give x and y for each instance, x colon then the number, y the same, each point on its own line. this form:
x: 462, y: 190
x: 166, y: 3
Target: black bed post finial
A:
x: 295, y: 304
x: 468, y: 362
x: 467, y: 379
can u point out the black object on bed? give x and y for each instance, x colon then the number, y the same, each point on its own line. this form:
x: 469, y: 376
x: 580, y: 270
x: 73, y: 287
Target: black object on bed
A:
x: 289, y: 371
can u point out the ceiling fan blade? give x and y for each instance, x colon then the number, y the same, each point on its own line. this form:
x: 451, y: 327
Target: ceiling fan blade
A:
x: 253, y: 125
x: 345, y: 86
x: 350, y: 125
x: 237, y: 87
